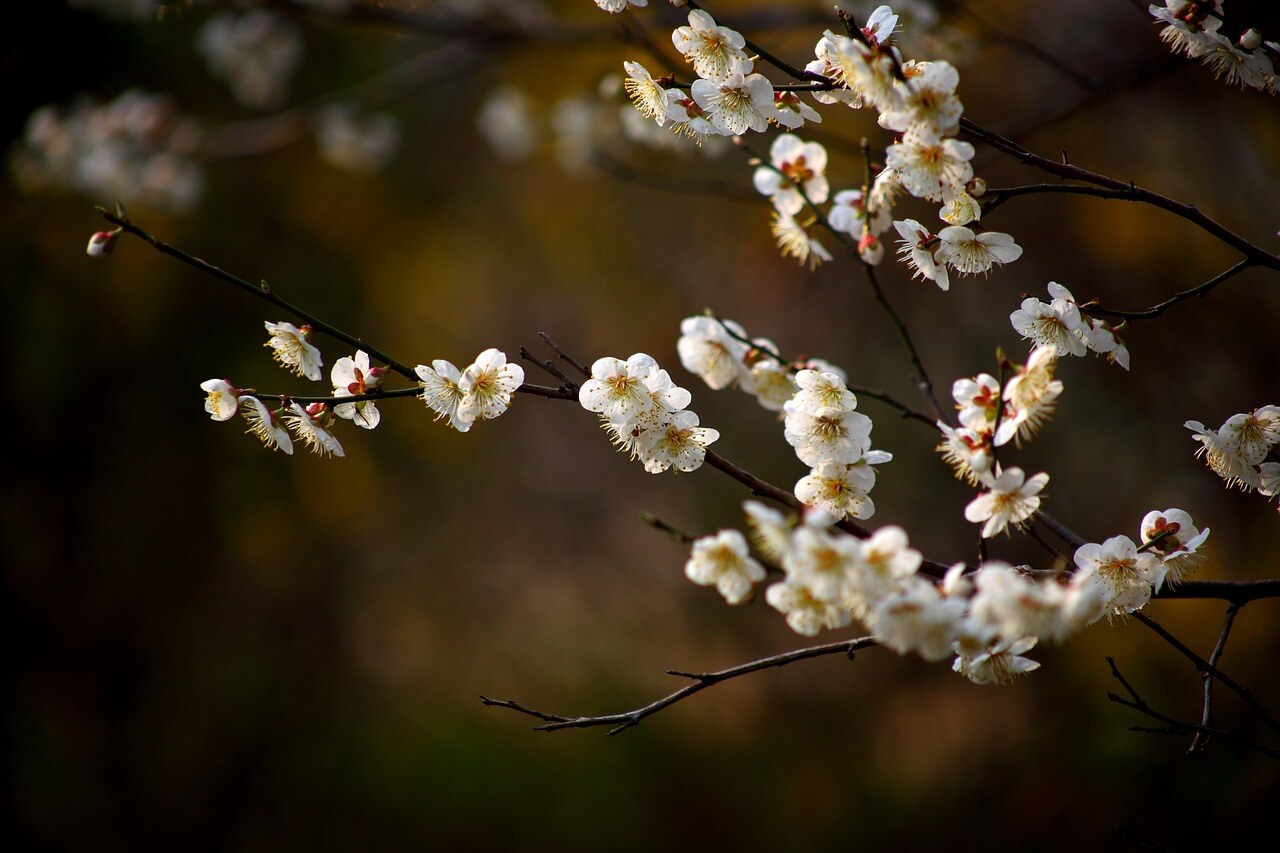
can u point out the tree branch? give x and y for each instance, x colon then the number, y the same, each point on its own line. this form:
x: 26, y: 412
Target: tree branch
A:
x: 1121, y: 189
x: 701, y: 681
x: 1201, y: 740
x: 1210, y: 670
x: 1176, y: 727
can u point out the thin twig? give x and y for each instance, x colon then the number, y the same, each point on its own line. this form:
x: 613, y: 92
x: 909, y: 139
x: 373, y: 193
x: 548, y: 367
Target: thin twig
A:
x: 700, y: 681
x: 1126, y: 189
x: 676, y: 534
x: 1176, y: 727
x: 1209, y: 669
x: 1201, y: 740
x: 1154, y: 311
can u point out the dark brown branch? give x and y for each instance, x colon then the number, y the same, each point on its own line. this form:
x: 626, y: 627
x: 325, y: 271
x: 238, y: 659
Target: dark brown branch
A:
x: 700, y: 681
x: 1124, y: 189
x: 676, y: 534
x: 1206, y: 719
x: 1235, y: 591
x: 1177, y: 727
x: 1154, y: 311
x: 1209, y: 669
x: 264, y: 292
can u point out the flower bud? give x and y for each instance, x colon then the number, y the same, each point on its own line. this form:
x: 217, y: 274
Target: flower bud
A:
x: 1251, y: 39
x: 102, y: 244
x: 977, y: 187
x: 870, y: 249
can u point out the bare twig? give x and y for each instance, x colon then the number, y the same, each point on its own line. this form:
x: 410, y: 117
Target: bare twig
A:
x: 676, y: 534
x: 1154, y: 311
x: 1122, y: 189
x: 1209, y: 669
x: 1201, y: 740
x: 700, y: 681
x: 1176, y: 727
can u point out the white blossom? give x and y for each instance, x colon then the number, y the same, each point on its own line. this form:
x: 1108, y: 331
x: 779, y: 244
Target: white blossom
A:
x: 1012, y: 499
x: 221, y: 400
x: 708, y: 351
x: 616, y: 388
x: 724, y: 561
x: 1173, y: 537
x: 1032, y: 395
x: 312, y: 427
x: 929, y: 168
x: 919, y: 248
x: 968, y: 252
x: 354, y: 377
x: 918, y: 618
x: 737, y: 104
x: 1000, y: 663
x: 1127, y: 578
x: 441, y: 392
x: 255, y: 52
x: 715, y: 52
x: 265, y: 424
x: 487, y: 386
x: 806, y: 615
x: 794, y: 241
x: 291, y: 347
x: 796, y: 174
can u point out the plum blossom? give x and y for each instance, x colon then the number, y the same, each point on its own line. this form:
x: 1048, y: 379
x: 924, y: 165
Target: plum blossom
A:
x: 222, y: 399
x: 736, y: 104
x: 716, y: 53
x: 794, y: 241
x: 796, y: 174
x: 849, y: 214
x: 1012, y: 499
x: 770, y: 529
x: 1126, y: 577
x: 441, y: 391
x: 707, y: 350
x: 291, y: 347
x: 1031, y: 395
x: 1173, y: 536
x: 999, y: 663
x: 724, y: 561
x: 355, y: 377
x: 918, y: 618
x: 487, y: 386
x: 647, y: 94
x: 312, y: 427
x: 806, y: 614
x: 968, y: 252
x: 1056, y: 324
x: 265, y: 424
x: 928, y: 168
x: 615, y: 6
x: 616, y: 388
x: 919, y: 248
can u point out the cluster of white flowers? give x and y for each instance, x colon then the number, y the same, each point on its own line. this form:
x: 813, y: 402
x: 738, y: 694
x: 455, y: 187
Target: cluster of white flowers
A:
x: 1239, y: 450
x: 819, y: 414
x: 360, y: 144
x: 990, y: 417
x: 1194, y: 27
x: 644, y: 412
x: 1060, y: 324
x: 254, y: 52
x: 134, y: 147
x: 480, y: 392
x: 985, y: 619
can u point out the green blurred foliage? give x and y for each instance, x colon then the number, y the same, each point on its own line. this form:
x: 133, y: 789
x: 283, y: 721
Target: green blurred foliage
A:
x: 214, y: 646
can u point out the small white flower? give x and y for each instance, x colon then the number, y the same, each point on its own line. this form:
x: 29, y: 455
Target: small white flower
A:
x: 715, y: 52
x: 919, y: 248
x: 312, y: 427
x: 291, y: 347
x: 707, y: 350
x: 354, y: 377
x: 724, y: 561
x: 1000, y: 663
x: 823, y: 560
x: 1032, y: 395
x: 1012, y: 499
x: 1126, y: 577
x: 648, y: 96
x: 737, y: 104
x: 959, y: 208
x: 977, y: 401
x: 918, y: 618
x: 1223, y: 457
x: 794, y: 241
x: 968, y: 452
x: 929, y: 168
x: 678, y: 442
x: 1057, y: 324
x: 839, y: 490
x: 849, y: 214
x: 1177, y: 541
x: 487, y: 386
x: 796, y: 174
x: 265, y: 424
x: 1252, y: 434
x: 617, y: 389
x: 791, y: 112
x: 615, y: 6
x: 968, y: 253
x: 770, y: 529
x: 826, y: 434
x: 806, y: 615
x: 929, y: 108
x: 222, y: 401
x: 441, y: 392
x: 822, y: 389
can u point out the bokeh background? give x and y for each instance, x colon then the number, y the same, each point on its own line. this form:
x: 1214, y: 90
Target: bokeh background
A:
x: 213, y: 646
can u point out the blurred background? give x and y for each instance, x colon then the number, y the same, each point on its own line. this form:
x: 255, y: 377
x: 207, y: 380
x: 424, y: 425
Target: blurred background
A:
x: 214, y: 646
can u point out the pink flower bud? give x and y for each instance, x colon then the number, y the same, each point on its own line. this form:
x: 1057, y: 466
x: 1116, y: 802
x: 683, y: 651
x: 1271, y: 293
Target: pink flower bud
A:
x: 870, y: 249
x: 102, y: 244
x: 1251, y: 39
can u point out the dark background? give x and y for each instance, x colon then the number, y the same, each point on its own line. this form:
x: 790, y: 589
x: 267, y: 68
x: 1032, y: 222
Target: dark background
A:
x: 216, y: 646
